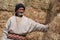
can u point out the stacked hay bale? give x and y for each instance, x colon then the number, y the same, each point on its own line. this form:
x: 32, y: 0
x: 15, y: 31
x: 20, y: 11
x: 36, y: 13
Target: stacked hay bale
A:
x: 42, y: 11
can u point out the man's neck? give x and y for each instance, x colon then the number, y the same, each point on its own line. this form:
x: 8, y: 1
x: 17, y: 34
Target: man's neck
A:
x: 19, y: 16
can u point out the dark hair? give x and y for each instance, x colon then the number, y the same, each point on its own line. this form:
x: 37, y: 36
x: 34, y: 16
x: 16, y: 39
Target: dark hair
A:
x: 20, y: 5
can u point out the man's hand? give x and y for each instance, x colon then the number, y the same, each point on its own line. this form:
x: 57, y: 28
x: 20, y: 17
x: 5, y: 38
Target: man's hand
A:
x: 17, y: 37
x: 11, y: 36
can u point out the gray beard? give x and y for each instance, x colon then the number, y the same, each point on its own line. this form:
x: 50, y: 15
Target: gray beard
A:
x: 19, y: 14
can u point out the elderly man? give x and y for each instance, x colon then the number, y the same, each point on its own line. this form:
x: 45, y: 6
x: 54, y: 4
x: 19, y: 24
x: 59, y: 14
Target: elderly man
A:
x: 19, y: 25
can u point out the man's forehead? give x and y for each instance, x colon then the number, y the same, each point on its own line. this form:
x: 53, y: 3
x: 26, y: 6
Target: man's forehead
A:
x: 21, y: 8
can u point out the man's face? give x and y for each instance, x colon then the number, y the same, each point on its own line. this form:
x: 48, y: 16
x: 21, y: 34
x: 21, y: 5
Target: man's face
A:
x: 20, y: 11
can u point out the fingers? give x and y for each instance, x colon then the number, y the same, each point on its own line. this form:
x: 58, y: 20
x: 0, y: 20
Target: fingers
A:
x: 16, y: 37
x: 9, y: 36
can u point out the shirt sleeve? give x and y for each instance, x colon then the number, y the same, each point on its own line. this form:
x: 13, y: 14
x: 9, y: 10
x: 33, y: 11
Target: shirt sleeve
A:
x: 38, y: 27
x: 41, y: 27
x: 5, y: 30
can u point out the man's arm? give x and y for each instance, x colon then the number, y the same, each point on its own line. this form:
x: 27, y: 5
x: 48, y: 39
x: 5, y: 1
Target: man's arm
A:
x: 5, y: 30
x: 41, y: 27
x: 38, y: 27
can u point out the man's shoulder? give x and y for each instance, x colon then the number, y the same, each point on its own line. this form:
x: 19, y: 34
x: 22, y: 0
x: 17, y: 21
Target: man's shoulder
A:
x: 30, y: 19
x: 26, y: 17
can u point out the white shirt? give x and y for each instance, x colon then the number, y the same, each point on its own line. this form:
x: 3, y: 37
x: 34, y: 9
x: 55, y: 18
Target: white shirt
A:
x: 21, y: 25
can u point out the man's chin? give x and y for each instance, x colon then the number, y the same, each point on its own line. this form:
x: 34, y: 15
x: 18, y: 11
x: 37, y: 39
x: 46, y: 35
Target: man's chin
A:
x: 20, y: 15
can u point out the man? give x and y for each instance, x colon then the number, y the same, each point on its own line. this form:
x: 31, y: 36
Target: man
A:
x: 19, y: 25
